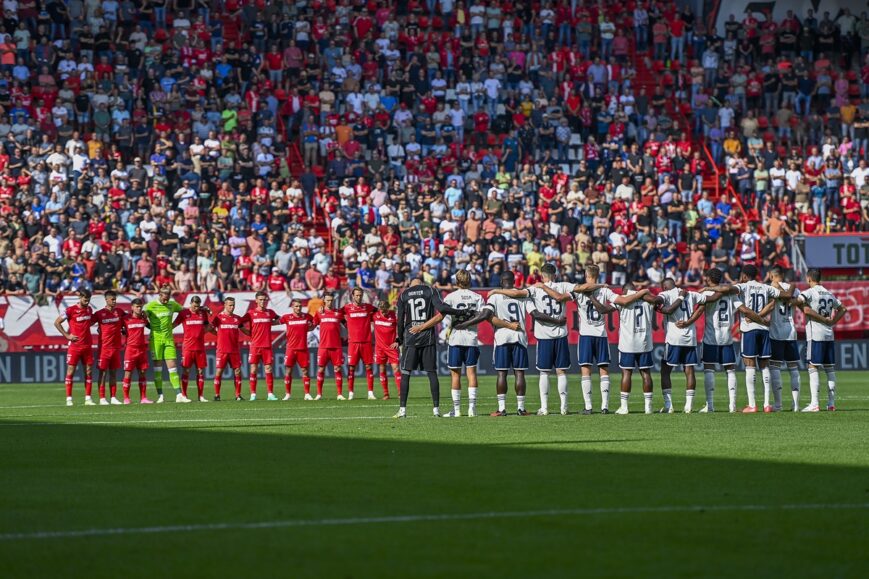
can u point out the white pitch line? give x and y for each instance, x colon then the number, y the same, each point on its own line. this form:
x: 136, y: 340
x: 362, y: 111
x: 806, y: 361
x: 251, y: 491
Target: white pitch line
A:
x: 37, y: 535
x: 192, y: 420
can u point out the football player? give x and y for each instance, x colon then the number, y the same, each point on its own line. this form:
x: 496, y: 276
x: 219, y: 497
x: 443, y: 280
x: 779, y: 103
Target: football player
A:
x: 681, y: 340
x: 80, y: 318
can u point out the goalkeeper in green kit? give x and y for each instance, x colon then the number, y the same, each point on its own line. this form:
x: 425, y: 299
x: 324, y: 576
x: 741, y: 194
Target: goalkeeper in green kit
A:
x: 160, y: 313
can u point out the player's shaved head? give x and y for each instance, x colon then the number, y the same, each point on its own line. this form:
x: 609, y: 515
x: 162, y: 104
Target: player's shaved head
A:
x: 508, y: 280
x: 415, y: 281
x: 668, y: 284
x: 463, y: 279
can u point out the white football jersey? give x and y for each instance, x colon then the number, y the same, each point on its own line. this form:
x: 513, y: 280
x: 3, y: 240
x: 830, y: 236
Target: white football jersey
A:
x: 509, y: 310
x: 781, y: 323
x: 591, y: 321
x: 681, y: 336
x: 635, y: 326
x: 541, y: 301
x: 755, y: 295
x: 464, y: 299
x: 825, y: 303
x: 719, y: 320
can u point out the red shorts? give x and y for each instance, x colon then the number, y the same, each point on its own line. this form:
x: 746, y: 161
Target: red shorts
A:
x: 197, y: 357
x: 231, y: 359
x: 386, y: 355
x: 360, y: 351
x: 136, y: 361
x: 86, y: 357
x: 334, y: 355
x: 264, y: 354
x: 109, y: 360
x: 294, y: 357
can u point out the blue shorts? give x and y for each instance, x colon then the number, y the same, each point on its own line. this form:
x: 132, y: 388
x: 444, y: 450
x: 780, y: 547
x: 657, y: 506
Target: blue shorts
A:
x: 511, y: 357
x: 681, y: 355
x: 553, y: 354
x: 785, y: 351
x: 630, y: 360
x: 724, y: 355
x: 593, y: 351
x: 822, y: 353
x: 756, y: 344
x: 463, y: 356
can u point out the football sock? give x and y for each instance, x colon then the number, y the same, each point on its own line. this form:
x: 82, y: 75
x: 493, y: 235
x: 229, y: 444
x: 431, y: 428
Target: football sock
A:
x: 543, y: 385
x: 270, y: 382
x: 102, y: 390
x: 586, y: 391
x: 689, y: 400
x: 814, y: 385
x: 384, y: 383
x: 320, y: 378
x: 520, y: 402
x: 288, y: 383
x: 709, y: 386
x: 88, y: 386
x: 67, y: 383
x: 126, y: 386
x: 502, y: 402
x: 767, y: 387
x: 457, y: 401
x: 217, y: 375
x: 351, y: 379
x: 435, y: 388
x: 795, y: 386
x: 472, y: 399
x: 405, y: 388
x: 647, y: 402
x: 185, y: 381
x: 113, y: 388
x: 775, y: 379
x: 731, y: 389
x: 253, y: 383
x: 200, y: 383
x: 339, y: 383
x: 776, y: 389
x: 623, y: 398
x: 604, y: 392
x: 668, y: 397
x: 143, y: 387
x: 369, y: 379
x: 237, y: 381
x: 306, y: 384
x: 561, y: 380
x: 399, y: 380
x: 158, y: 380
x: 749, y: 386
x: 174, y: 379
x: 831, y: 387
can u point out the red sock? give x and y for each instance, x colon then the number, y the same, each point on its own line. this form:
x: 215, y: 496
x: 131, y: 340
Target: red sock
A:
x: 288, y: 384
x: 113, y: 389
x: 237, y: 380
x: 200, y: 384
x: 320, y: 378
x: 126, y: 384
x: 306, y: 384
x: 88, y: 386
x: 185, y: 380
x: 68, y: 384
x: 102, y: 389
x: 351, y: 379
x: 398, y: 382
x: 217, y: 381
x: 369, y: 378
x: 339, y: 383
x: 270, y: 382
x: 252, y: 383
x: 384, y: 383
x: 143, y: 387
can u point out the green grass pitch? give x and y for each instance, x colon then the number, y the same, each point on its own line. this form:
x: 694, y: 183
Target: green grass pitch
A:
x: 340, y: 489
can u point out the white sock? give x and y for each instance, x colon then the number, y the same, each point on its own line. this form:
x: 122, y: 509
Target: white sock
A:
x: 795, y: 386
x: 436, y: 410
x: 402, y: 411
x: 586, y: 391
x: 668, y: 397
x: 562, y: 390
x: 689, y: 400
x: 88, y: 398
x: 502, y: 402
x: 520, y: 402
x: 750, y: 374
x: 457, y: 401
x: 647, y: 402
x: 731, y: 389
x: 604, y: 392
x: 709, y: 385
x: 767, y: 386
x: 831, y: 386
x: 472, y: 398
x: 623, y: 397
x: 544, y: 390
x: 814, y: 385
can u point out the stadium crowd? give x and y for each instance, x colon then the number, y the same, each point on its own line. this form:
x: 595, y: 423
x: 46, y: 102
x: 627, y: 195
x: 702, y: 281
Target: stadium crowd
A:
x: 205, y: 143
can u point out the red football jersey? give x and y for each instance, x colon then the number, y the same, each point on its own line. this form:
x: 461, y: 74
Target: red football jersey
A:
x: 359, y: 322
x: 330, y: 328
x: 385, y: 329
x: 137, y: 341
x: 228, y: 326
x: 297, y: 330
x: 261, y: 327
x: 109, y: 323
x: 80, y: 320
x: 194, y: 328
